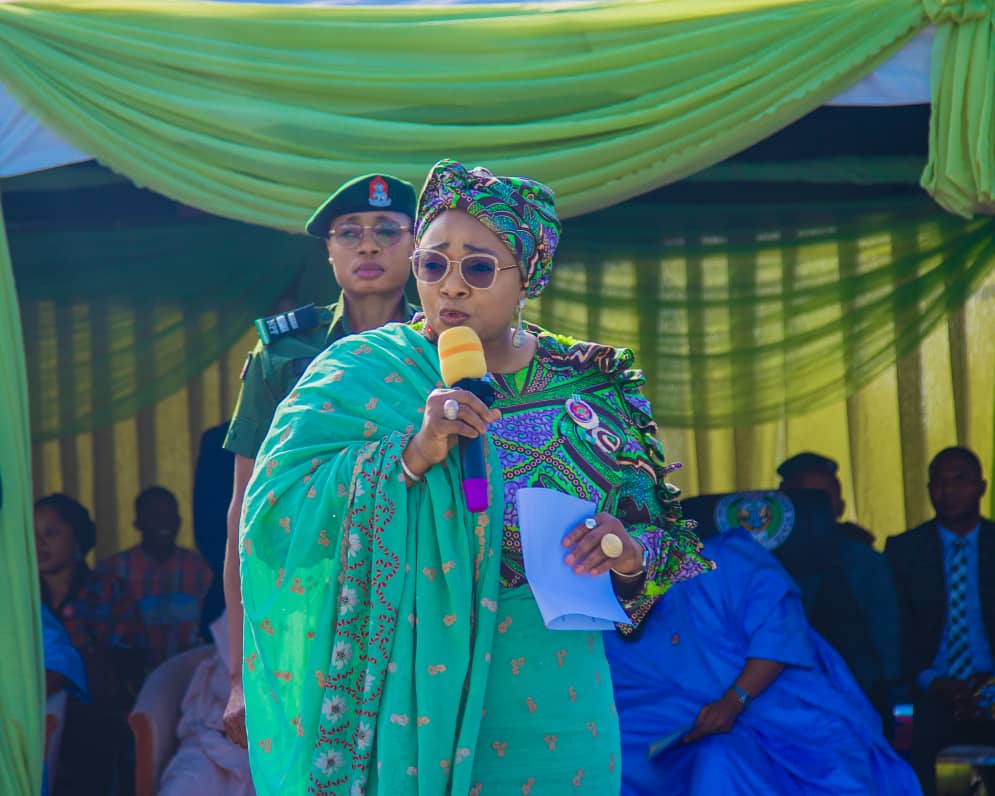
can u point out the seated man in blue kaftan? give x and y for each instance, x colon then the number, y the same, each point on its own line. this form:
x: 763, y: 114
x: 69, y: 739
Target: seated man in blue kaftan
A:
x: 742, y: 695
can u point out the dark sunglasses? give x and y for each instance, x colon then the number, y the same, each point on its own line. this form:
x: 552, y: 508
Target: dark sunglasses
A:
x: 477, y: 271
x: 385, y: 233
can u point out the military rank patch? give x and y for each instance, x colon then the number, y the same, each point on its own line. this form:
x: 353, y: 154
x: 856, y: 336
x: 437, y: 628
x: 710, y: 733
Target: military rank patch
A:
x: 276, y: 326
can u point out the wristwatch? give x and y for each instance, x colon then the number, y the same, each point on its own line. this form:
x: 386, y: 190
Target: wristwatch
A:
x: 744, y: 696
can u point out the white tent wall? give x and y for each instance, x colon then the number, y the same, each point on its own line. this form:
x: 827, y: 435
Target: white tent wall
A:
x: 26, y: 145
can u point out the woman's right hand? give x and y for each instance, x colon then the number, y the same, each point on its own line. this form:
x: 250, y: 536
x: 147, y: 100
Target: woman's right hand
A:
x: 438, y: 434
x: 233, y: 717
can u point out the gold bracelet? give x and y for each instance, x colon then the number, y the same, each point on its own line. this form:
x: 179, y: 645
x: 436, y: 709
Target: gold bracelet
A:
x: 632, y: 575
x: 642, y: 570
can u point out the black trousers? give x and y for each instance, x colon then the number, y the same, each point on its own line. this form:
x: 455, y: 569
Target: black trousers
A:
x: 933, y: 728
x: 96, y: 755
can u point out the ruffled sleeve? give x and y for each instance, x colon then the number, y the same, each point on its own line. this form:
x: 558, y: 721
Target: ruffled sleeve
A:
x: 649, y: 506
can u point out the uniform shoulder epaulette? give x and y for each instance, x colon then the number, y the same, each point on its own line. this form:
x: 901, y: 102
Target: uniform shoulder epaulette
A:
x: 280, y: 325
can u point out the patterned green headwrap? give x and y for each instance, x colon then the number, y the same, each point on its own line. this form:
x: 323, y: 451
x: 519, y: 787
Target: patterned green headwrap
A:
x: 518, y: 210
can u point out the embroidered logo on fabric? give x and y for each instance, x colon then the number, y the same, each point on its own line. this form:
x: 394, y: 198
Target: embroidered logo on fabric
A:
x: 768, y: 516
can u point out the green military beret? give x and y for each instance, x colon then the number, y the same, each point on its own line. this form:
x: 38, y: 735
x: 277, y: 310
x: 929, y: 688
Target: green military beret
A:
x: 365, y: 194
x: 807, y: 463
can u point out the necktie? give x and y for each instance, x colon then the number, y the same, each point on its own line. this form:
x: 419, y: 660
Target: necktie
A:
x: 959, y: 656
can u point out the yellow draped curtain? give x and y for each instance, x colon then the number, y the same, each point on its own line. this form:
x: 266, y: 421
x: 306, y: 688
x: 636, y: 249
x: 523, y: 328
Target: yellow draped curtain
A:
x: 883, y: 435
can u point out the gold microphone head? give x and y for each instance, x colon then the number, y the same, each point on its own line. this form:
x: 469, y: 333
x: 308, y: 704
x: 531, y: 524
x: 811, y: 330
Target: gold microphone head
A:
x: 461, y: 355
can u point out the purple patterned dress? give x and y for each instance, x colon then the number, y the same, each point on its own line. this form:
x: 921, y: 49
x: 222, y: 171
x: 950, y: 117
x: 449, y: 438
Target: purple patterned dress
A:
x: 573, y: 420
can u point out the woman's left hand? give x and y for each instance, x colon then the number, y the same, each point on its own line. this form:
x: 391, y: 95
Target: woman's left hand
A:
x: 587, y: 555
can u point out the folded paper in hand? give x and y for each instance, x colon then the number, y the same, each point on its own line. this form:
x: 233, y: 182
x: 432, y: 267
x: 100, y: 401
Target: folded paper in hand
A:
x: 566, y: 600
x: 661, y: 745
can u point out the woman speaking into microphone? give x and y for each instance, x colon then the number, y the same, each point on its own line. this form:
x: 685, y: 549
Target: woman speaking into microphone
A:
x: 392, y: 642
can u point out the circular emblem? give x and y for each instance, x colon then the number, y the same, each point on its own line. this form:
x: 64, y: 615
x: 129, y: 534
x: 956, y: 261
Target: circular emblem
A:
x: 581, y: 413
x: 768, y: 516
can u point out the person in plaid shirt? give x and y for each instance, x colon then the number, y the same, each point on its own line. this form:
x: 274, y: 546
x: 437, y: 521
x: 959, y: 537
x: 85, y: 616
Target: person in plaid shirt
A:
x: 105, y: 626
x: 169, y: 581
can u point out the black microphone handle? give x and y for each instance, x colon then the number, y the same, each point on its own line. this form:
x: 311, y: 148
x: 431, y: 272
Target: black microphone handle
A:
x: 482, y: 388
x: 472, y: 450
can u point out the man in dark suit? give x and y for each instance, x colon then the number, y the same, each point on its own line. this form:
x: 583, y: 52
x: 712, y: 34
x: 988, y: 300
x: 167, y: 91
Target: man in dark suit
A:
x: 856, y: 609
x: 945, y: 573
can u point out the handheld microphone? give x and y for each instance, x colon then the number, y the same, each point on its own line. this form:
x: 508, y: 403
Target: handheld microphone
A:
x: 461, y: 358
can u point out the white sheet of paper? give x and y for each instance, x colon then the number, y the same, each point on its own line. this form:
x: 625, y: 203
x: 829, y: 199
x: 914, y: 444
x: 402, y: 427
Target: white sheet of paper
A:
x: 567, y: 601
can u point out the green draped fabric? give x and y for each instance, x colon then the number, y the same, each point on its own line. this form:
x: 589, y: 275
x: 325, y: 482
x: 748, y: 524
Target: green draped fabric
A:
x: 22, y: 690
x: 253, y: 111
x: 739, y: 313
x: 752, y: 312
x: 961, y: 168
x: 118, y: 317
x: 333, y: 579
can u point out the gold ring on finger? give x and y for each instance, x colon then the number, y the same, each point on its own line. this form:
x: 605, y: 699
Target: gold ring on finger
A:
x: 611, y: 545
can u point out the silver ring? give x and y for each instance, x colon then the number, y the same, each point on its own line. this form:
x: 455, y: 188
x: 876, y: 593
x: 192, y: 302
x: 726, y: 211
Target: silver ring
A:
x: 590, y: 523
x: 450, y: 409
